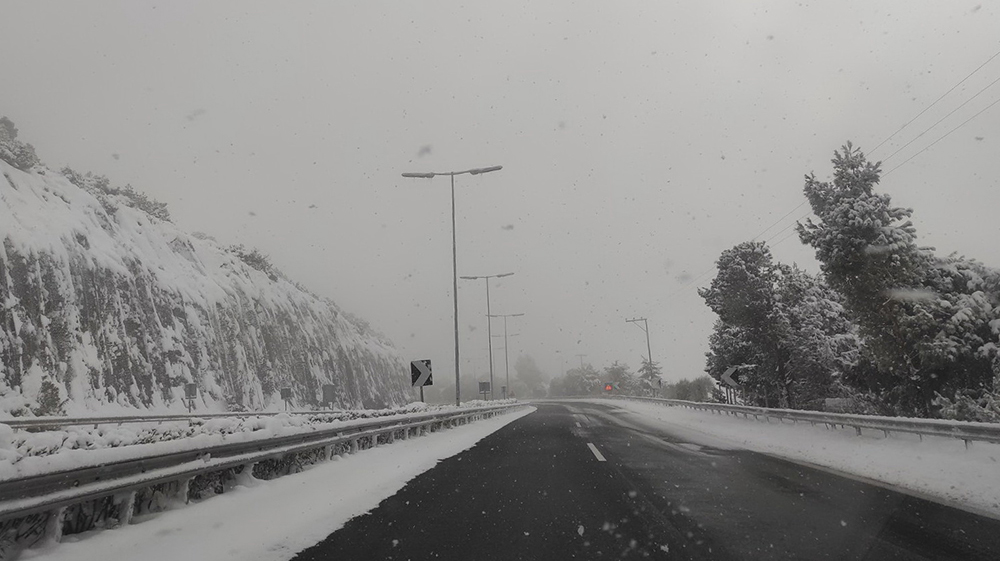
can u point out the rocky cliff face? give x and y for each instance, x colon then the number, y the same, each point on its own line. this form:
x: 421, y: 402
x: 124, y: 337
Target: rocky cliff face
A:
x: 104, y: 307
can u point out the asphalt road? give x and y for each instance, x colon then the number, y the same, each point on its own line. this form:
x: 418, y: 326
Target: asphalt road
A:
x: 538, y: 489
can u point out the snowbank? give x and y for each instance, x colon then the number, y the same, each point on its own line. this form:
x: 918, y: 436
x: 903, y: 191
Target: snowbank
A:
x: 939, y: 468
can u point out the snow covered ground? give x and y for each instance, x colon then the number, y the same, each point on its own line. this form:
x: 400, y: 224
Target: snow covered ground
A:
x: 273, y: 520
x: 937, y: 468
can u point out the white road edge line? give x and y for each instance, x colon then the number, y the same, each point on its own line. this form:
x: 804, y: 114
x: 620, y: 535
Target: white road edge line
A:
x: 578, y: 425
x: 596, y: 452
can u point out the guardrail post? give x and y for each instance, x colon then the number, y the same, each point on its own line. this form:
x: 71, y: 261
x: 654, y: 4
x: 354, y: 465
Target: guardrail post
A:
x: 184, y: 489
x: 354, y: 445
x: 54, y: 525
x: 127, y: 509
x: 858, y: 429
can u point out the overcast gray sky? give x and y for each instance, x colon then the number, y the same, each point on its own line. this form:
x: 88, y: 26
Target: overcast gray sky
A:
x: 638, y: 139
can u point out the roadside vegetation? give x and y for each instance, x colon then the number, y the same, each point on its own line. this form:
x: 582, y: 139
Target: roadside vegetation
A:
x: 887, y: 326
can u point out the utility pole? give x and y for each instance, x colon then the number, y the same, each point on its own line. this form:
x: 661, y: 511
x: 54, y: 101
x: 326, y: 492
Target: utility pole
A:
x: 562, y: 366
x: 580, y: 356
x: 644, y: 327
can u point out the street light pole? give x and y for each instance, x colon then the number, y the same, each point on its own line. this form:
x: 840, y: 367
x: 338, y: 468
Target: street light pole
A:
x: 489, y: 323
x: 454, y: 255
x: 506, y: 357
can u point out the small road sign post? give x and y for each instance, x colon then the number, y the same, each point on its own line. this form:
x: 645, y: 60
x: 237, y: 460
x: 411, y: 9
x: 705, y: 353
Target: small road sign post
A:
x: 420, y: 375
x: 286, y: 396
x: 732, y: 378
x: 190, y: 394
x: 484, y: 388
x: 727, y: 377
x: 329, y: 395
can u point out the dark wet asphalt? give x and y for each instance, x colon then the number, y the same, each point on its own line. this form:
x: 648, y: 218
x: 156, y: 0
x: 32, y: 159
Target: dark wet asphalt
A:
x: 536, y: 490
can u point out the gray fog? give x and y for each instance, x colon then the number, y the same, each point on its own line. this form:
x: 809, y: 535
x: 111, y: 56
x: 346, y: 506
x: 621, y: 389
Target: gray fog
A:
x: 638, y: 140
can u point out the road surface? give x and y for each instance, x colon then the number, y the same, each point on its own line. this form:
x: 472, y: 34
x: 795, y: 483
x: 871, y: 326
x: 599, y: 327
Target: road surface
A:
x: 578, y: 480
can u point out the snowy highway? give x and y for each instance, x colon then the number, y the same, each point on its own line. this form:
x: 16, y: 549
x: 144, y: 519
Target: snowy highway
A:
x: 582, y: 480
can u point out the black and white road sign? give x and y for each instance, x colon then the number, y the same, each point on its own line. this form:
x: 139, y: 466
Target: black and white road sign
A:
x: 728, y: 377
x: 420, y: 373
x: 484, y: 387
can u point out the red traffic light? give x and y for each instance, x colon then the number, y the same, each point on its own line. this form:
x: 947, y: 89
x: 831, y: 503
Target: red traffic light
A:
x: 607, y: 387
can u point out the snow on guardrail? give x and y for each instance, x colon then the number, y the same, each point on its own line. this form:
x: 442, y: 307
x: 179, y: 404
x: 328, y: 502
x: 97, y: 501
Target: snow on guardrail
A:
x: 964, y: 430
x: 45, y: 444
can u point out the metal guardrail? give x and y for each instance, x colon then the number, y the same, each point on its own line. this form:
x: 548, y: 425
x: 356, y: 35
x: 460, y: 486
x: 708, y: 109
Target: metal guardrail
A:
x: 50, y: 494
x: 964, y: 430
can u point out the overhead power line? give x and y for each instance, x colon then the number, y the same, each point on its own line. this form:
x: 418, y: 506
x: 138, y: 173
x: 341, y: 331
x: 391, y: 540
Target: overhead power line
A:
x: 938, y: 122
x: 942, y: 137
x: 962, y: 81
x: 779, y: 220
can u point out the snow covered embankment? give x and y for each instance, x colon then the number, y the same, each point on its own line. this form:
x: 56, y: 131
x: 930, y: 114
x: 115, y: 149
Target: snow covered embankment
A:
x: 104, y: 307
x: 939, y: 468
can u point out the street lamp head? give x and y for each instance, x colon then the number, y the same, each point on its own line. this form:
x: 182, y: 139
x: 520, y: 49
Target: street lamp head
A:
x: 469, y: 278
x: 516, y: 315
x: 478, y: 171
x: 420, y: 175
x: 502, y: 275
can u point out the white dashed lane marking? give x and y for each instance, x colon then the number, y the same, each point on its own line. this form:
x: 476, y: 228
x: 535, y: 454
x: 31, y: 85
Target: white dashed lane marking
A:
x: 597, y: 453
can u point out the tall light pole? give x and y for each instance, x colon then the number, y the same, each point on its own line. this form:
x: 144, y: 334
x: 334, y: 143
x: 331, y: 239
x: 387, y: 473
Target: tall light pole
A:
x: 454, y: 255
x: 580, y: 356
x: 489, y: 322
x: 506, y: 355
x: 644, y: 327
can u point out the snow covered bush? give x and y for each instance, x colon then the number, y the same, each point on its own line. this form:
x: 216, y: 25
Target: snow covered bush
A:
x: 110, y: 197
x: 14, y: 152
x: 971, y: 406
x: 256, y: 259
